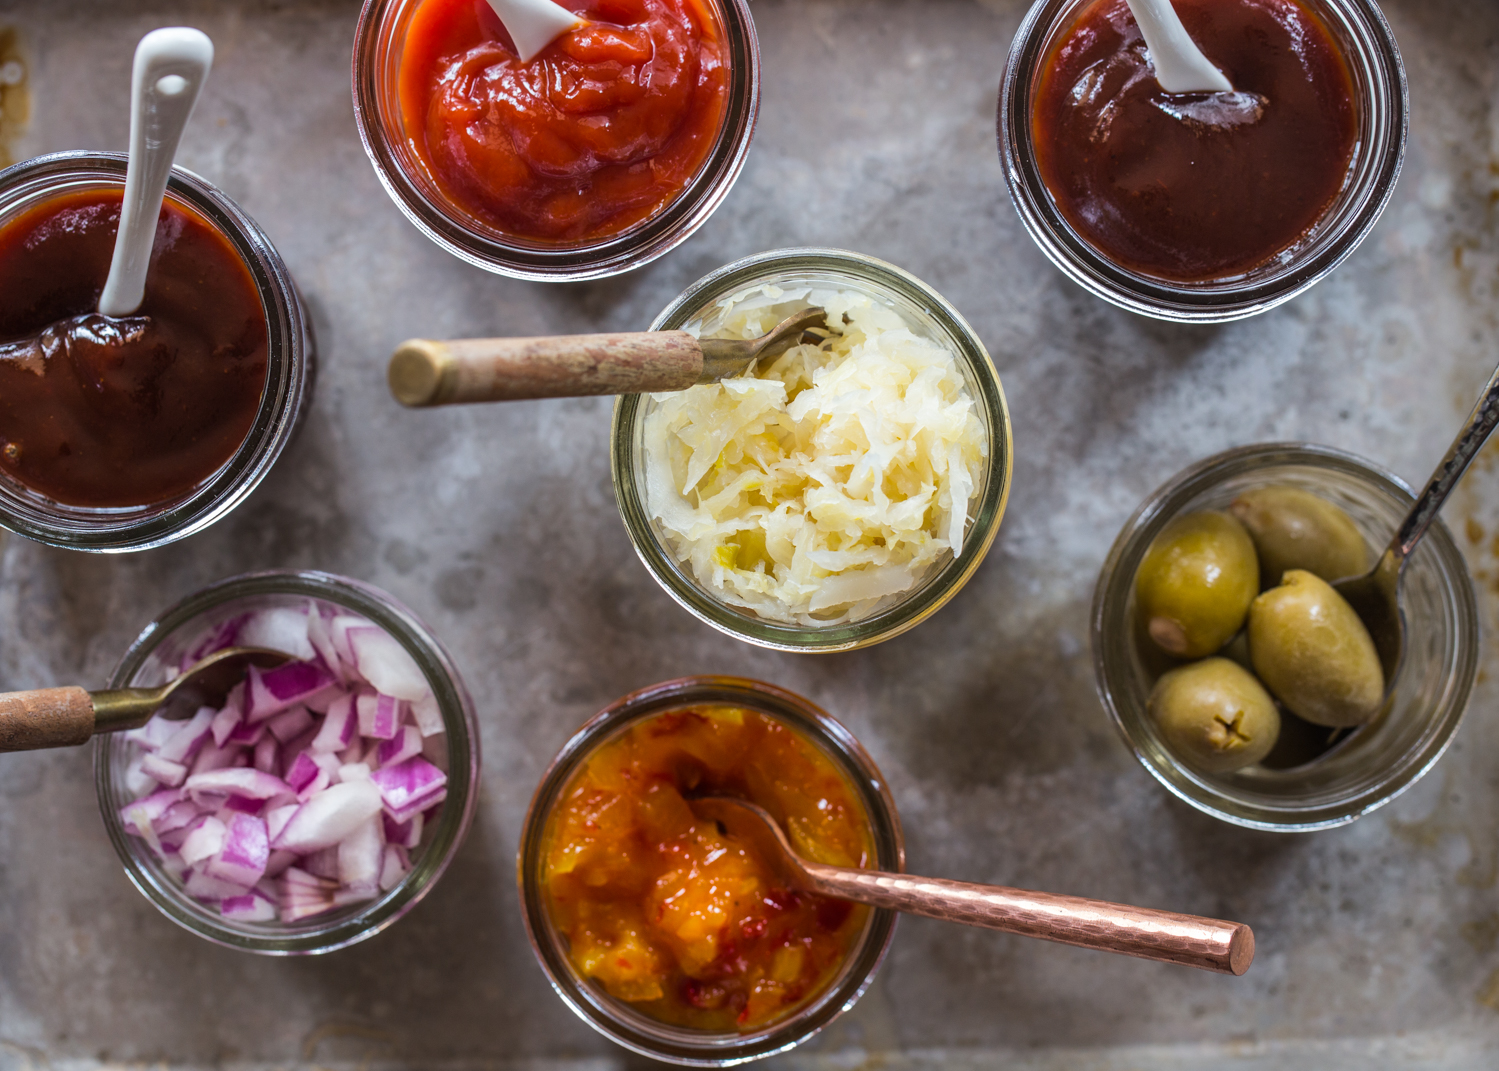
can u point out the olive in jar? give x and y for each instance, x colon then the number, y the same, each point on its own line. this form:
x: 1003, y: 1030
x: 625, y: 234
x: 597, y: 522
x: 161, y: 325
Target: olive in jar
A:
x: 1295, y: 529
x: 1214, y: 715
x: 1195, y: 584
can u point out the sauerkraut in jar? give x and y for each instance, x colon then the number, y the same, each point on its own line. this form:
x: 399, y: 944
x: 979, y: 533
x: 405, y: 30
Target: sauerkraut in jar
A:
x: 823, y: 487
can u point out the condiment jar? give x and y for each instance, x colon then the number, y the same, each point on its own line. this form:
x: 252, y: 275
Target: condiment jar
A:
x: 616, y: 1019
x: 1381, y: 117
x: 1383, y: 757
x: 284, y: 400
x: 378, y: 44
x: 918, y: 304
x: 160, y: 646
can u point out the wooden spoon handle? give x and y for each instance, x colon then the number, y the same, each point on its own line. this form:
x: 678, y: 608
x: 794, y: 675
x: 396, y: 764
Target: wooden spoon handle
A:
x: 47, y: 717
x: 1209, y: 944
x: 425, y: 372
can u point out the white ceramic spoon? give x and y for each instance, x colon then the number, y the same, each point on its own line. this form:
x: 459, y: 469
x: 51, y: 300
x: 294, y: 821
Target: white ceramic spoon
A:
x: 1179, y: 64
x: 170, y: 66
x: 534, y: 24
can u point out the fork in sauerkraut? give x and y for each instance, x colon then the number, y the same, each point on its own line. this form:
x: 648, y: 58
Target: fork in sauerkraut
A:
x: 818, y: 490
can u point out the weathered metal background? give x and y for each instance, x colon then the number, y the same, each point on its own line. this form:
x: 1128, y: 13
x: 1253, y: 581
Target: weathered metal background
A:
x: 1379, y: 942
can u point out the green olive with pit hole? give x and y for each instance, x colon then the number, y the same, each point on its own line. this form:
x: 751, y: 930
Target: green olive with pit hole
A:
x: 1194, y: 586
x: 1313, y: 653
x: 1295, y: 529
x: 1214, y: 715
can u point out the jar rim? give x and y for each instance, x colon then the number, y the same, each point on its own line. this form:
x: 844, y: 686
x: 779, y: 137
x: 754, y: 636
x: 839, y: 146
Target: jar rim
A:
x: 290, y: 357
x: 932, y: 592
x: 637, y: 246
x: 676, y: 1044
x: 1379, y: 75
x: 460, y: 724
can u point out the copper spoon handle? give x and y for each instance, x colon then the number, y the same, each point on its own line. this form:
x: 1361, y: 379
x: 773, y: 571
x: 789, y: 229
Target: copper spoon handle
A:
x: 1208, y: 944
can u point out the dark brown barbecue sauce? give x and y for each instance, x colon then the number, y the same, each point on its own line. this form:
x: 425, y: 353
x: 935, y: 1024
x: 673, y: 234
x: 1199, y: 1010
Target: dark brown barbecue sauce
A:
x: 1175, y: 185
x: 130, y: 412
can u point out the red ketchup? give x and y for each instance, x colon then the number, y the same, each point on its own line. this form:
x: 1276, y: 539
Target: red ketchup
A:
x: 1173, y: 185
x: 135, y: 411
x: 601, y: 130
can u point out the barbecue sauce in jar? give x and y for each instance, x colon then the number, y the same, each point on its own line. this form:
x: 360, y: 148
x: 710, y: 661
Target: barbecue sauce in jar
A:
x: 117, y: 413
x: 1196, y: 187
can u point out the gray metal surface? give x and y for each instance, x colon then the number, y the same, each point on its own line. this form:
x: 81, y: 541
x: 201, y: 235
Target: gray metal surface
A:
x: 1378, y: 942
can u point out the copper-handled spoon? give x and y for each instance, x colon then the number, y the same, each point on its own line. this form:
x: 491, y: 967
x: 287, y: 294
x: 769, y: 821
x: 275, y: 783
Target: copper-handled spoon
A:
x: 424, y: 372
x: 1208, y: 944
x: 66, y: 717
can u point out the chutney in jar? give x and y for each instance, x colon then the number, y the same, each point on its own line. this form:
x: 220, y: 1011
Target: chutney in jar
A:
x: 671, y: 915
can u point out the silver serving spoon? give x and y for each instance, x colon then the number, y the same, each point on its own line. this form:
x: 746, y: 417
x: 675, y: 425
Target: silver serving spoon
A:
x: 1375, y: 596
x: 1208, y: 944
x: 66, y: 717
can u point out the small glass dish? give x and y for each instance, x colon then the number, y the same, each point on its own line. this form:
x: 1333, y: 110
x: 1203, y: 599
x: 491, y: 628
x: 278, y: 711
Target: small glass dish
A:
x: 283, y: 403
x: 1382, y: 118
x: 919, y: 304
x: 616, y: 1019
x: 1380, y: 759
x: 378, y: 44
x: 162, y: 643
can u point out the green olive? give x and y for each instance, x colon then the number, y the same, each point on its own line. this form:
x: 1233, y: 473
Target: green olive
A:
x: 1215, y: 715
x: 1314, y: 653
x: 1196, y: 582
x: 1294, y: 529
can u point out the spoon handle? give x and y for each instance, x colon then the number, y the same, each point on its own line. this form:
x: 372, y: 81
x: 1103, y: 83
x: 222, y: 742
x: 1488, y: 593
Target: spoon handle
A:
x: 1208, y: 944
x: 170, y: 66
x: 424, y: 372
x: 1464, y: 448
x: 46, y: 717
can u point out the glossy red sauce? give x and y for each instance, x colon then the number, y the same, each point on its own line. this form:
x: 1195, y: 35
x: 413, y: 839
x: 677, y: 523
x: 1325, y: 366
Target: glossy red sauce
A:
x: 603, y: 129
x: 129, y: 412
x: 1183, y: 199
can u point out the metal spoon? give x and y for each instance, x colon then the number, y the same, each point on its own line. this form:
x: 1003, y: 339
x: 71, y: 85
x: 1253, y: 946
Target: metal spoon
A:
x: 1208, y: 944
x: 1375, y: 596
x: 65, y: 717
x: 425, y: 373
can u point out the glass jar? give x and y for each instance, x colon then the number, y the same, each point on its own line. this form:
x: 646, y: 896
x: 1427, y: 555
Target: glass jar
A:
x: 616, y: 1019
x: 1380, y: 759
x: 163, y: 642
x: 1382, y: 114
x: 378, y: 45
x: 918, y: 304
x: 283, y: 403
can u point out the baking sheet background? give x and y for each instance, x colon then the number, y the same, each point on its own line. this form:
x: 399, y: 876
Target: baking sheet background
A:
x: 1378, y: 942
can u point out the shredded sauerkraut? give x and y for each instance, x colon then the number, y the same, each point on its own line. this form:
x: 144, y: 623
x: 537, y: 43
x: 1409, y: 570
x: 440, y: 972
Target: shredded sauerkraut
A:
x: 818, y: 490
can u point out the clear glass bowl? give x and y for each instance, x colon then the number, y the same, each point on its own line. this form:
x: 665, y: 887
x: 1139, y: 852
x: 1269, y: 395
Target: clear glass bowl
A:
x: 1382, y: 758
x: 1382, y: 116
x: 378, y: 43
x: 162, y: 643
x: 920, y: 305
x: 290, y: 365
x: 616, y: 1019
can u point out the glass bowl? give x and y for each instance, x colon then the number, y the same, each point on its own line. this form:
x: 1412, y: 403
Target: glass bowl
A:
x: 1382, y: 758
x: 283, y: 404
x: 163, y: 642
x: 1382, y: 117
x: 378, y: 43
x: 616, y: 1019
x: 919, y: 304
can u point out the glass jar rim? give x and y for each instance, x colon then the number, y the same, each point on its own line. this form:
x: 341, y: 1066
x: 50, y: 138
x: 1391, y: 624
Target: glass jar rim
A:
x: 934, y: 591
x: 460, y: 724
x: 283, y: 402
x: 1364, y: 199
x: 679, y: 1045
x: 540, y: 261
x: 1116, y: 580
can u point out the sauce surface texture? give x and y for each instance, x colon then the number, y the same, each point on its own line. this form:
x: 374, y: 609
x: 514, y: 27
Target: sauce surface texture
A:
x: 603, y: 129
x: 671, y: 915
x: 1179, y: 198
x: 146, y: 417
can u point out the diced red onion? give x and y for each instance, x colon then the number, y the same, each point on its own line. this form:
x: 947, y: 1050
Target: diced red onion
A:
x: 410, y: 787
x: 238, y: 782
x: 267, y: 755
x: 427, y: 714
x: 330, y: 816
x: 322, y: 863
x: 301, y: 773
x: 246, y: 734
x: 254, y: 906
x: 380, y: 715
x: 243, y: 857
x: 163, y: 770
x: 279, y: 629
x: 205, y: 840
x: 231, y: 715
x: 182, y: 745
x: 338, y: 727
x: 205, y: 886
x: 399, y: 748
x: 359, y: 855
x: 150, y: 736
x: 290, y: 723
x: 387, y: 665
x: 394, y: 866
x: 273, y: 690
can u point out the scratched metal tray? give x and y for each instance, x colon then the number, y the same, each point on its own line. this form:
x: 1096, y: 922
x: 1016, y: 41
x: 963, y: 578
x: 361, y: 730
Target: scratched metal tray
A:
x: 1378, y: 942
